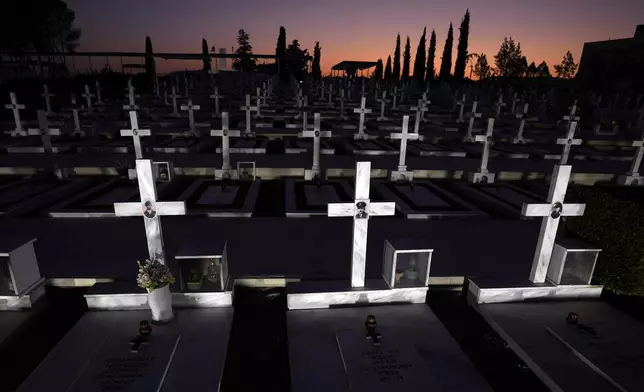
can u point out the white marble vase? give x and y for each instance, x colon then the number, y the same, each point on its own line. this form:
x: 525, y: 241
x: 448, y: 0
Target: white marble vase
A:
x: 160, y: 301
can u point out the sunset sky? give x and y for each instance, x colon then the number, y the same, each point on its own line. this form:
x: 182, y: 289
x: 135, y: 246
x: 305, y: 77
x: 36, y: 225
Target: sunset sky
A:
x: 354, y: 29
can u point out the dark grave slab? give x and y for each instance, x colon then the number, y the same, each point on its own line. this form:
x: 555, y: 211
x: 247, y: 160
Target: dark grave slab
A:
x: 207, y: 197
x: 298, y: 146
x: 98, y: 201
x: 34, y: 145
x: 370, y: 147
x: 426, y: 201
x: 516, y: 151
x: 427, y: 149
x: 183, y: 145
x: 123, y: 146
x: 506, y: 199
x: 245, y: 146
x: 305, y: 199
x: 471, y: 149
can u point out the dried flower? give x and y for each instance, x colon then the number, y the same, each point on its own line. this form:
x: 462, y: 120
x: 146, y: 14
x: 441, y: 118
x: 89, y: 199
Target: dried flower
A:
x: 153, y: 275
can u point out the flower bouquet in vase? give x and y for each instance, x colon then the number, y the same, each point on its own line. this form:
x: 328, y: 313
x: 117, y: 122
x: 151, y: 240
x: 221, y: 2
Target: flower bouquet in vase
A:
x: 156, y: 278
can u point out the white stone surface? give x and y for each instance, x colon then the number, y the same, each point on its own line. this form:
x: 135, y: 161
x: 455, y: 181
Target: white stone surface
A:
x: 527, y: 293
x: 323, y: 300
x: 136, y: 134
x: 139, y: 301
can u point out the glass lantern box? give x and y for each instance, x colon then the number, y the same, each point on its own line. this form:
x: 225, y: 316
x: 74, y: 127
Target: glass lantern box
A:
x: 406, y: 263
x: 6, y: 281
x: 202, y: 270
x: 572, y: 262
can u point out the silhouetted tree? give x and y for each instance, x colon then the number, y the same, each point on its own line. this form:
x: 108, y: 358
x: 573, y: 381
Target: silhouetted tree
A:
x: 204, y: 51
x: 406, y: 60
x: 543, y: 71
x: 395, y: 76
x: 297, y: 59
x: 280, y: 52
x: 446, y: 62
x: 509, y: 61
x: 316, y: 71
x: 532, y: 70
x: 431, y: 58
x: 245, y: 61
x: 377, y: 75
x: 150, y: 69
x: 389, y: 78
x: 419, y: 62
x: 482, y: 68
x: 461, y: 51
x: 567, y: 68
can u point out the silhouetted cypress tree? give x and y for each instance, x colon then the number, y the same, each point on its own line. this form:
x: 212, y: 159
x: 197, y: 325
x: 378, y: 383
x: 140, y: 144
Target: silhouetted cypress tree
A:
x: 316, y: 71
x: 204, y: 50
x: 395, y: 76
x: 150, y: 69
x: 280, y: 52
x: 389, y: 78
x: 461, y: 52
x: 377, y: 75
x: 431, y: 58
x: 419, y: 62
x: 406, y: 59
x: 446, y: 63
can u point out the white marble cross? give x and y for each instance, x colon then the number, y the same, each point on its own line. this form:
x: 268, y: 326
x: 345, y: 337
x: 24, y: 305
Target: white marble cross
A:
x: 316, y: 134
x: 361, y: 210
x: 216, y: 97
x: 44, y: 131
x: 99, y: 98
x: 174, y: 96
x: 16, y: 107
x: 136, y: 134
x: 403, y: 136
x: 130, y: 97
x: 470, y: 126
x: 568, y: 142
x: 394, y: 97
x: 362, y: 110
x: 572, y: 115
x: 248, y: 108
x: 519, y: 138
x: 47, y: 97
x: 185, y: 86
x: 426, y: 103
x: 225, y: 134
x: 150, y: 209
x: 330, y: 103
x: 515, y: 100
x: 382, y: 101
x: 420, y: 110
x: 322, y: 91
x: 486, y: 139
x: 551, y: 212
x: 77, y: 126
x: 88, y: 98
x: 461, y: 104
x: 499, y: 104
x: 264, y: 95
x: 258, y: 105
x: 402, y: 95
x: 342, y: 116
x: 191, y: 114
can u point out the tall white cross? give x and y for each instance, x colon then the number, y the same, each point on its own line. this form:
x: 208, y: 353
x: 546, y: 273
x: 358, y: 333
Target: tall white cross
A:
x: 382, y: 101
x: 551, y: 212
x: 487, y: 141
x: 403, y: 136
x: 426, y: 103
x: 316, y: 134
x: 515, y: 100
x: 470, y: 126
x: 362, y: 110
x: 185, y: 86
x: 191, y: 114
x: 258, y: 105
x: 572, y: 115
x: 248, y: 109
x: 322, y: 91
x: 568, y: 142
x: 136, y: 134
x: 44, y: 131
x: 130, y: 97
x: 499, y: 104
x: 174, y: 96
x: 99, y: 98
x: 461, y: 104
x: 216, y: 97
x: 519, y: 138
x: 362, y: 89
x: 420, y: 110
x: 394, y: 97
x: 47, y: 97
x: 77, y: 126
x: 342, y: 116
x: 330, y: 103
x: 361, y: 210
x: 150, y: 209
x: 88, y: 98
x: 16, y: 107
x: 264, y: 94
x: 225, y: 134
